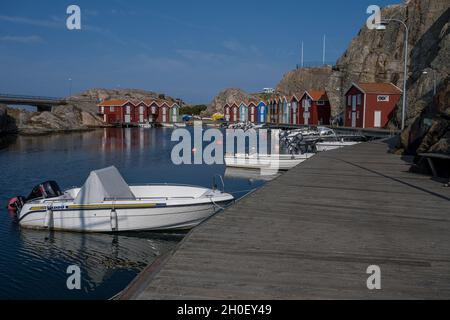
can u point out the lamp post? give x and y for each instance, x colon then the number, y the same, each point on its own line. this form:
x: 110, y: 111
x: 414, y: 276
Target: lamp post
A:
x: 382, y: 26
x: 70, y: 87
x: 434, y: 81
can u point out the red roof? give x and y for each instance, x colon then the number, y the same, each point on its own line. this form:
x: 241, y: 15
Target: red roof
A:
x: 113, y: 103
x: 317, y: 95
x: 381, y: 88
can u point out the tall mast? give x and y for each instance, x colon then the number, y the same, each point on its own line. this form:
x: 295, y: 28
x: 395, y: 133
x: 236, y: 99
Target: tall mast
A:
x: 302, y: 55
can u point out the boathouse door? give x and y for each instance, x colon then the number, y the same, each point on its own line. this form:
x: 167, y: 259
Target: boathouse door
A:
x: 377, y: 117
x: 354, y: 111
x: 174, y: 114
x: 141, y: 114
x: 252, y: 114
x: 306, y: 114
x: 164, y: 115
x: 127, y: 114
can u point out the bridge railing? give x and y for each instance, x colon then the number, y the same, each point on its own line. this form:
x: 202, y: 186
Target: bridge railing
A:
x: 25, y: 97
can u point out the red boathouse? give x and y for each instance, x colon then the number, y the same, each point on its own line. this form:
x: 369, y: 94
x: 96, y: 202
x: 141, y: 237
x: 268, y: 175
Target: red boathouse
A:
x: 314, y: 108
x: 370, y: 105
x: 112, y: 110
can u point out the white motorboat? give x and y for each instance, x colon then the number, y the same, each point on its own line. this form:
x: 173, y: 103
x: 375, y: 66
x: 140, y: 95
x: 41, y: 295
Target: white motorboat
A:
x: 250, y: 174
x: 332, y: 145
x: 167, y: 125
x: 106, y: 203
x: 270, y: 162
x: 145, y: 125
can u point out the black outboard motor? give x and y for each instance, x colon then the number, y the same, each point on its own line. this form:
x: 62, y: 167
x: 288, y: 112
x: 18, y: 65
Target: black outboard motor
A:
x: 15, y: 204
x: 45, y: 190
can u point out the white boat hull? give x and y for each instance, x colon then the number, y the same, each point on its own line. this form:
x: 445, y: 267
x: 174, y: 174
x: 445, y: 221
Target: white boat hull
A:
x: 158, y: 218
x: 157, y: 207
x: 327, y: 146
x: 281, y: 162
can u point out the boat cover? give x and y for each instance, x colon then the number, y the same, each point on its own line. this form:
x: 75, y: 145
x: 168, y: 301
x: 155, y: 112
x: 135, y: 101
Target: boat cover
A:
x: 104, y: 184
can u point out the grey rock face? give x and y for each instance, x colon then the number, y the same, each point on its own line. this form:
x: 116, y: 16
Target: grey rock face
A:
x: 7, y: 123
x: 231, y: 95
x: 430, y: 130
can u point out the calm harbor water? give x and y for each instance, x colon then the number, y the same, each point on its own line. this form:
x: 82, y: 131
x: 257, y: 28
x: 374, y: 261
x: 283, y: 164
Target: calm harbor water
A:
x: 33, y: 264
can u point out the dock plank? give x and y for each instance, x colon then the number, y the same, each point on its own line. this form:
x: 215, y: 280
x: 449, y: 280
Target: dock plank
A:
x: 312, y: 232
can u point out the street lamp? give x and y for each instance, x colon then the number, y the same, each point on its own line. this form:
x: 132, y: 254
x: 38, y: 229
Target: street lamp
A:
x: 382, y: 26
x: 70, y: 87
x: 434, y: 81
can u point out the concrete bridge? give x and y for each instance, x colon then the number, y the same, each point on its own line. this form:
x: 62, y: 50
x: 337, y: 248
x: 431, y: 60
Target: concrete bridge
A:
x: 41, y: 103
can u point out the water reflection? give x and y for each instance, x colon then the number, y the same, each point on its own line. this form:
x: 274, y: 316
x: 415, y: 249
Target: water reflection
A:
x: 98, y: 255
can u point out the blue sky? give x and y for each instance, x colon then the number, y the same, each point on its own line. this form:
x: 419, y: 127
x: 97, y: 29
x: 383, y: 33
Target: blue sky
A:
x: 187, y: 49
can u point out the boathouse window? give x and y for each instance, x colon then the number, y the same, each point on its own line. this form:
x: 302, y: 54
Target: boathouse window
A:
x: 320, y: 103
x: 111, y: 109
x: 128, y: 109
x: 102, y: 110
x: 359, y: 99
x: 141, y: 110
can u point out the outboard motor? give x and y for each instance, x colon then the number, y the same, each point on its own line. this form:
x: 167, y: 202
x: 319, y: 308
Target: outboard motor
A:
x: 15, y: 204
x: 45, y: 190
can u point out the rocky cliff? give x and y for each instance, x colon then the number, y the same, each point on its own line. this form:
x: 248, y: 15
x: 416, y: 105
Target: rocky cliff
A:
x: 300, y: 80
x: 7, y: 123
x: 231, y: 95
x: 430, y: 130
x: 377, y: 56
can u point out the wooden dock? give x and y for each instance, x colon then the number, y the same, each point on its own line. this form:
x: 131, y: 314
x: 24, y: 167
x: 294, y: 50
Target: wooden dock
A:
x: 313, y: 232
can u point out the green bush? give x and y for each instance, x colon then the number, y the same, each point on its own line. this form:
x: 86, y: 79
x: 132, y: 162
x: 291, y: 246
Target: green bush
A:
x: 193, y: 110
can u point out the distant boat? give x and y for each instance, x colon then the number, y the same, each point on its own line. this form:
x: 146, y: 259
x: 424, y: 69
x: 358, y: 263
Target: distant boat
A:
x: 332, y: 145
x: 258, y: 161
x: 251, y: 174
x: 106, y: 203
x: 167, y: 125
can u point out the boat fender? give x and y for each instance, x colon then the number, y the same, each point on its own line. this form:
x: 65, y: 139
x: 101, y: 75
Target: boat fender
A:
x: 114, y: 220
x: 48, y: 221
